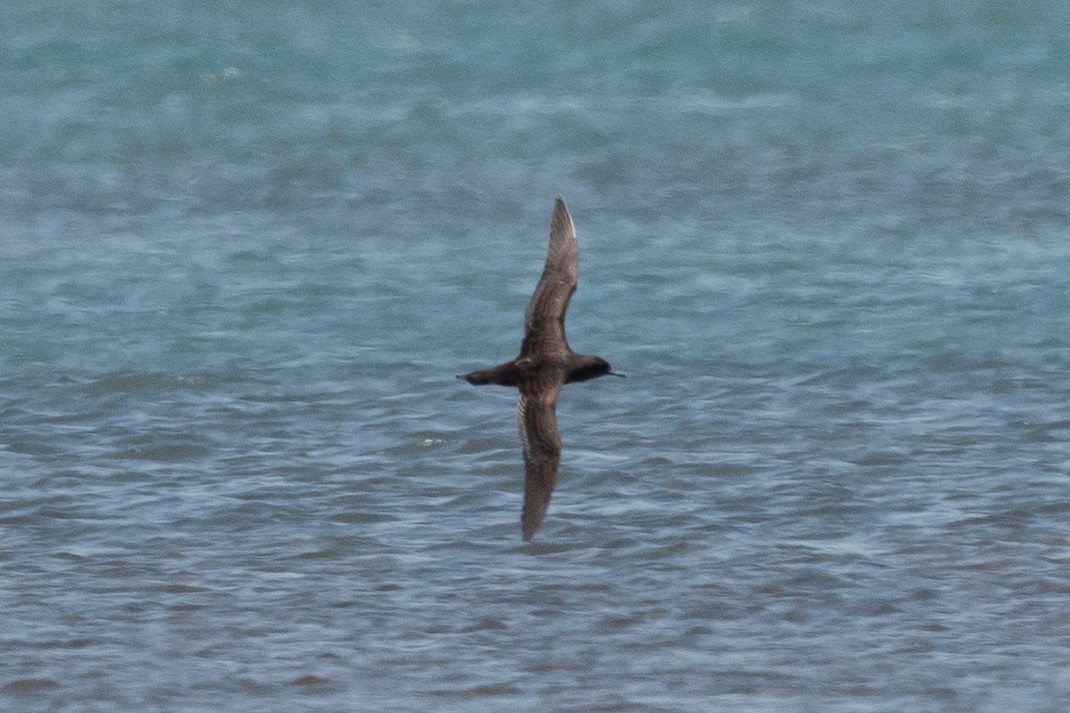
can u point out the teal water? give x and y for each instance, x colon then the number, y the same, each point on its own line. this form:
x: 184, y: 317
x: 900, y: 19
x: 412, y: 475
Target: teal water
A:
x: 244, y: 248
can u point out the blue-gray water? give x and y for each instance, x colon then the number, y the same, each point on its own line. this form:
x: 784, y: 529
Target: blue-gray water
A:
x: 245, y: 248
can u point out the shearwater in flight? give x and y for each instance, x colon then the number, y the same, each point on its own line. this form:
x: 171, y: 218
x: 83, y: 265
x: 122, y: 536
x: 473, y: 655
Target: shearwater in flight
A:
x: 545, y: 364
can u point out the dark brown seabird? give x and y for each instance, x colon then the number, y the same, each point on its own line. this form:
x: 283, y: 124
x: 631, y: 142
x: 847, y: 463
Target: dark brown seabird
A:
x: 545, y: 364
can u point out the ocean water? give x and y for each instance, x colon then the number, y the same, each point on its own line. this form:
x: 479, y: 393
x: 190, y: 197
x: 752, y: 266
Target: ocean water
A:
x: 245, y: 248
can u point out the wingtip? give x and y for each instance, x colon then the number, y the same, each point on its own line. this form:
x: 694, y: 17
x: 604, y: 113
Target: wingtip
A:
x: 528, y: 528
x: 561, y: 221
x: 529, y: 523
x: 560, y: 206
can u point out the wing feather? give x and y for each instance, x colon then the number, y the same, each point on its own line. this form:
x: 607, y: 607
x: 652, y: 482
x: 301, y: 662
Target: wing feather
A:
x: 537, y: 421
x: 544, y: 319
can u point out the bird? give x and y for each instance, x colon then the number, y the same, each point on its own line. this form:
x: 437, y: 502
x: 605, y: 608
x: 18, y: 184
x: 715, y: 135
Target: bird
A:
x: 545, y: 364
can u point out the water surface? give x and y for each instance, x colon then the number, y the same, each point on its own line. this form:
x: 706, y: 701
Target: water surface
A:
x: 244, y: 250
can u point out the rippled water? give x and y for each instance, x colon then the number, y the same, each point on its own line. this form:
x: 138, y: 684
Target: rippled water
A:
x: 243, y: 254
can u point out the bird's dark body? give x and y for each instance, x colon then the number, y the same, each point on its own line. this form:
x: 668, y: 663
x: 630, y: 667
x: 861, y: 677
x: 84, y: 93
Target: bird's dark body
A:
x: 545, y: 364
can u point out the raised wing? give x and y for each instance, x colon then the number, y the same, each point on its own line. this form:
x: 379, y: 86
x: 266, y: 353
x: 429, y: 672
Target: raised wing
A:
x: 544, y: 320
x: 537, y: 420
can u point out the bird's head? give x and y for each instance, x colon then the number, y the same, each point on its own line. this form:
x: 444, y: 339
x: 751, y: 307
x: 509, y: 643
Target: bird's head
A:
x: 590, y: 367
